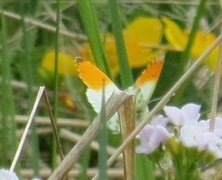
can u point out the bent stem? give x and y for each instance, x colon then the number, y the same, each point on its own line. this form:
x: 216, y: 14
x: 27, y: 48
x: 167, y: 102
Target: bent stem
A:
x: 25, y: 134
x: 41, y: 92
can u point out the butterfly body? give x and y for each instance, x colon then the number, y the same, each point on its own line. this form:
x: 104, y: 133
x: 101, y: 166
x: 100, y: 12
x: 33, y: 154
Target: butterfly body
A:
x: 143, y: 88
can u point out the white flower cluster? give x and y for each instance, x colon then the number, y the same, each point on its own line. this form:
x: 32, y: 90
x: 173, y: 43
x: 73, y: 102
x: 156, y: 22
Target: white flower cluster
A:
x: 193, y: 132
x: 7, y: 175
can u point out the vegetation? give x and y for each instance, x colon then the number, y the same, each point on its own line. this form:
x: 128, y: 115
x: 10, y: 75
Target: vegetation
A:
x: 62, y: 60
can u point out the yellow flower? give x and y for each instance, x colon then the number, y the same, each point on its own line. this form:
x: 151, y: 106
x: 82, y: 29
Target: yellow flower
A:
x: 66, y: 64
x: 142, y: 31
x: 177, y: 38
x: 202, y: 41
x: 145, y: 30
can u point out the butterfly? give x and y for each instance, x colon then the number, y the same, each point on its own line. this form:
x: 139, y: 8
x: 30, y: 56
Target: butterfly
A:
x: 96, y: 80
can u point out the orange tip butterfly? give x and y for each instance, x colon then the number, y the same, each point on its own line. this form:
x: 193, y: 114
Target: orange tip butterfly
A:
x: 143, y: 88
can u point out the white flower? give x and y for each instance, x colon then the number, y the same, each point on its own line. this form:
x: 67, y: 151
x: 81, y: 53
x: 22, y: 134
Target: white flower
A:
x: 188, y: 114
x: 198, y: 135
x: 205, y: 125
x: 7, y: 175
x: 152, y: 135
x: 160, y: 121
x: 189, y: 135
x: 210, y: 141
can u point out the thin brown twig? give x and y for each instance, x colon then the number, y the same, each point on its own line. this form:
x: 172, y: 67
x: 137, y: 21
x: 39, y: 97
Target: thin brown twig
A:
x: 54, y: 125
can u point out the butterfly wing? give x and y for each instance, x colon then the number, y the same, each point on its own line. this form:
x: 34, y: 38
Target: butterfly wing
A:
x: 147, y: 81
x: 95, y: 80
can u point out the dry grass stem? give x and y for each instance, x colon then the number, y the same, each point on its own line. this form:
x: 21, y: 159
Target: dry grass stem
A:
x: 28, y: 125
x: 112, y: 106
x: 127, y: 121
x: 216, y: 89
x: 62, y: 122
x: 68, y: 135
x: 164, y: 100
x: 43, y: 26
x: 39, y: 131
x: 45, y: 173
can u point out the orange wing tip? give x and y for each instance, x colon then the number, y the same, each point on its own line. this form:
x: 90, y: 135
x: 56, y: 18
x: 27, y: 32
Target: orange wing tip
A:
x: 152, y: 72
x: 91, y: 75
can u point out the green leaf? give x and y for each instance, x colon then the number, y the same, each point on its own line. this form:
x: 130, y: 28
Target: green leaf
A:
x: 144, y: 168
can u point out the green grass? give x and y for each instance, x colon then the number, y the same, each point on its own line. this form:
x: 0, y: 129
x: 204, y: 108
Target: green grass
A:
x: 29, y: 29
x: 8, y: 127
x: 125, y: 71
x: 89, y: 20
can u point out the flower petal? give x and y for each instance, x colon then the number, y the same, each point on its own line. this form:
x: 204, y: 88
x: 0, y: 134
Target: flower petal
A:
x: 7, y: 175
x: 205, y: 139
x: 189, y: 135
x: 209, y: 141
x: 218, y: 122
x: 145, y: 30
x: 204, y: 125
x: 174, y: 114
x: 159, y: 136
x: 160, y: 121
x: 191, y: 112
x: 151, y: 137
x: 145, y: 134
x: 66, y: 65
x: 174, y: 34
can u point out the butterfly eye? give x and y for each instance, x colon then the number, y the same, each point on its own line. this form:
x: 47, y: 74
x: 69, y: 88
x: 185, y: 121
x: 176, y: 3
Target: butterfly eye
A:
x: 79, y: 59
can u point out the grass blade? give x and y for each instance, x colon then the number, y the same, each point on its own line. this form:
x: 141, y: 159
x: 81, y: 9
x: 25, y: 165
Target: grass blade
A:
x: 89, y: 21
x: 103, y: 136
x: 8, y: 127
x: 125, y: 71
x: 56, y: 82
x: 28, y: 40
x: 194, y: 29
x: 144, y: 168
x: 186, y: 54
